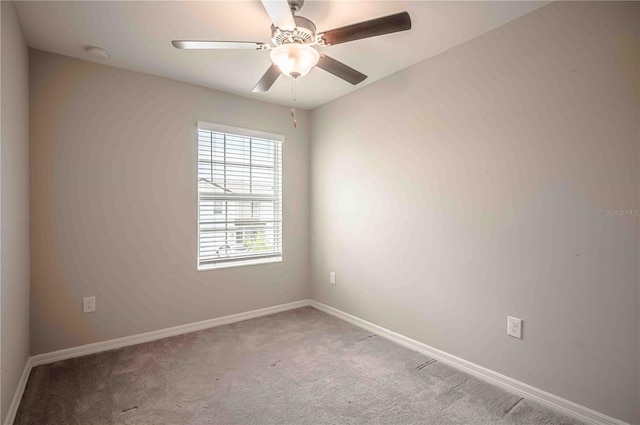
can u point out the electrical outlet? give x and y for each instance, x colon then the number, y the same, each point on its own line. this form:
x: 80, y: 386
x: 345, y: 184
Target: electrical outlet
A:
x: 514, y: 327
x: 332, y: 278
x: 88, y: 304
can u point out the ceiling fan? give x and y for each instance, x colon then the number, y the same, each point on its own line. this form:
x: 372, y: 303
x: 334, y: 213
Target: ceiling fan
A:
x: 293, y: 36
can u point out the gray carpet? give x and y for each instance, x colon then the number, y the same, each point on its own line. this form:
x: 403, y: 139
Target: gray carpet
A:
x: 297, y: 367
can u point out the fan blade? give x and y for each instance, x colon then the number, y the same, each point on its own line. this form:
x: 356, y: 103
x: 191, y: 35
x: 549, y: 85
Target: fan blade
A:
x: 380, y: 26
x: 340, y: 70
x: 267, y: 79
x: 280, y: 13
x: 196, y: 44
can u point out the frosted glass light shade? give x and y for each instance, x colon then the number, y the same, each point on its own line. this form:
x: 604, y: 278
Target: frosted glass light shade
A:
x: 295, y: 60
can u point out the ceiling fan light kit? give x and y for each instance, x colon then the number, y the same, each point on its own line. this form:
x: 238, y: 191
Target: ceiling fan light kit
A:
x: 295, y: 60
x: 293, y: 38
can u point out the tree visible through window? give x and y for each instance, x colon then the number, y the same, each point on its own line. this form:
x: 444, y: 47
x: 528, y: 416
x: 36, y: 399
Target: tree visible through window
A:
x: 239, y: 196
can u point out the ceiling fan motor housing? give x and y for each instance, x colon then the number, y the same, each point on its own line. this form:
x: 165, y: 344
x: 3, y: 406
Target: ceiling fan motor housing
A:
x: 304, y: 33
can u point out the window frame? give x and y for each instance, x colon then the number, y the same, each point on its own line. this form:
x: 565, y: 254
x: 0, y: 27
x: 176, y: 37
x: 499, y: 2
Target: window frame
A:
x: 238, y: 262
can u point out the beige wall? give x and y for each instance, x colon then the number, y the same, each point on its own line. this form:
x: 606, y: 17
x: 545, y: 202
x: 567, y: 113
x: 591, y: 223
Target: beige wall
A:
x: 474, y: 185
x: 113, y: 196
x: 14, y: 204
x: 467, y: 188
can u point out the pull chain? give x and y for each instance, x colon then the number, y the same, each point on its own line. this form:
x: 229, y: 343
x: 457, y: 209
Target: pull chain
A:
x: 293, y: 102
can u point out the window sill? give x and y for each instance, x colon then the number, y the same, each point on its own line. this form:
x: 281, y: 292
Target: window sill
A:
x: 239, y: 263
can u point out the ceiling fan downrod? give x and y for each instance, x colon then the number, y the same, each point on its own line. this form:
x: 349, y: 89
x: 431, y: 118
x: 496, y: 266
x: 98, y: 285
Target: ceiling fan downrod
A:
x: 295, y: 5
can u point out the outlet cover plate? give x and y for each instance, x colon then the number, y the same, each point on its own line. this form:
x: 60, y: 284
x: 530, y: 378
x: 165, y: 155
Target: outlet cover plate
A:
x: 332, y: 278
x: 88, y: 304
x: 514, y: 327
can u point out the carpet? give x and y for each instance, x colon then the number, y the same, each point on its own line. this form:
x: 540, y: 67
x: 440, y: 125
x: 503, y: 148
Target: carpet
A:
x: 297, y: 367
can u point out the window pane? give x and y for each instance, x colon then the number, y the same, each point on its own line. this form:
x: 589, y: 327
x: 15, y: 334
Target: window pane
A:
x: 239, y: 190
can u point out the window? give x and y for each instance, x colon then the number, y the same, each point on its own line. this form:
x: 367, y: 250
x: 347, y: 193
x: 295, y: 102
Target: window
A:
x: 239, y: 197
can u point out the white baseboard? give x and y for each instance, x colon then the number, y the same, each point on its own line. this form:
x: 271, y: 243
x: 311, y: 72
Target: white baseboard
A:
x: 17, y: 396
x: 97, y: 347
x: 567, y: 407
x: 531, y: 393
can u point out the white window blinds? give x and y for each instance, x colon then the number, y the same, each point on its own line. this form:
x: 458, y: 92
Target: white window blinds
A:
x: 239, y: 196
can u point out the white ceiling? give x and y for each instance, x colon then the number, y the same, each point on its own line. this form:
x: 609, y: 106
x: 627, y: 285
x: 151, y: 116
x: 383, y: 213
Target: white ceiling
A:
x: 138, y: 36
